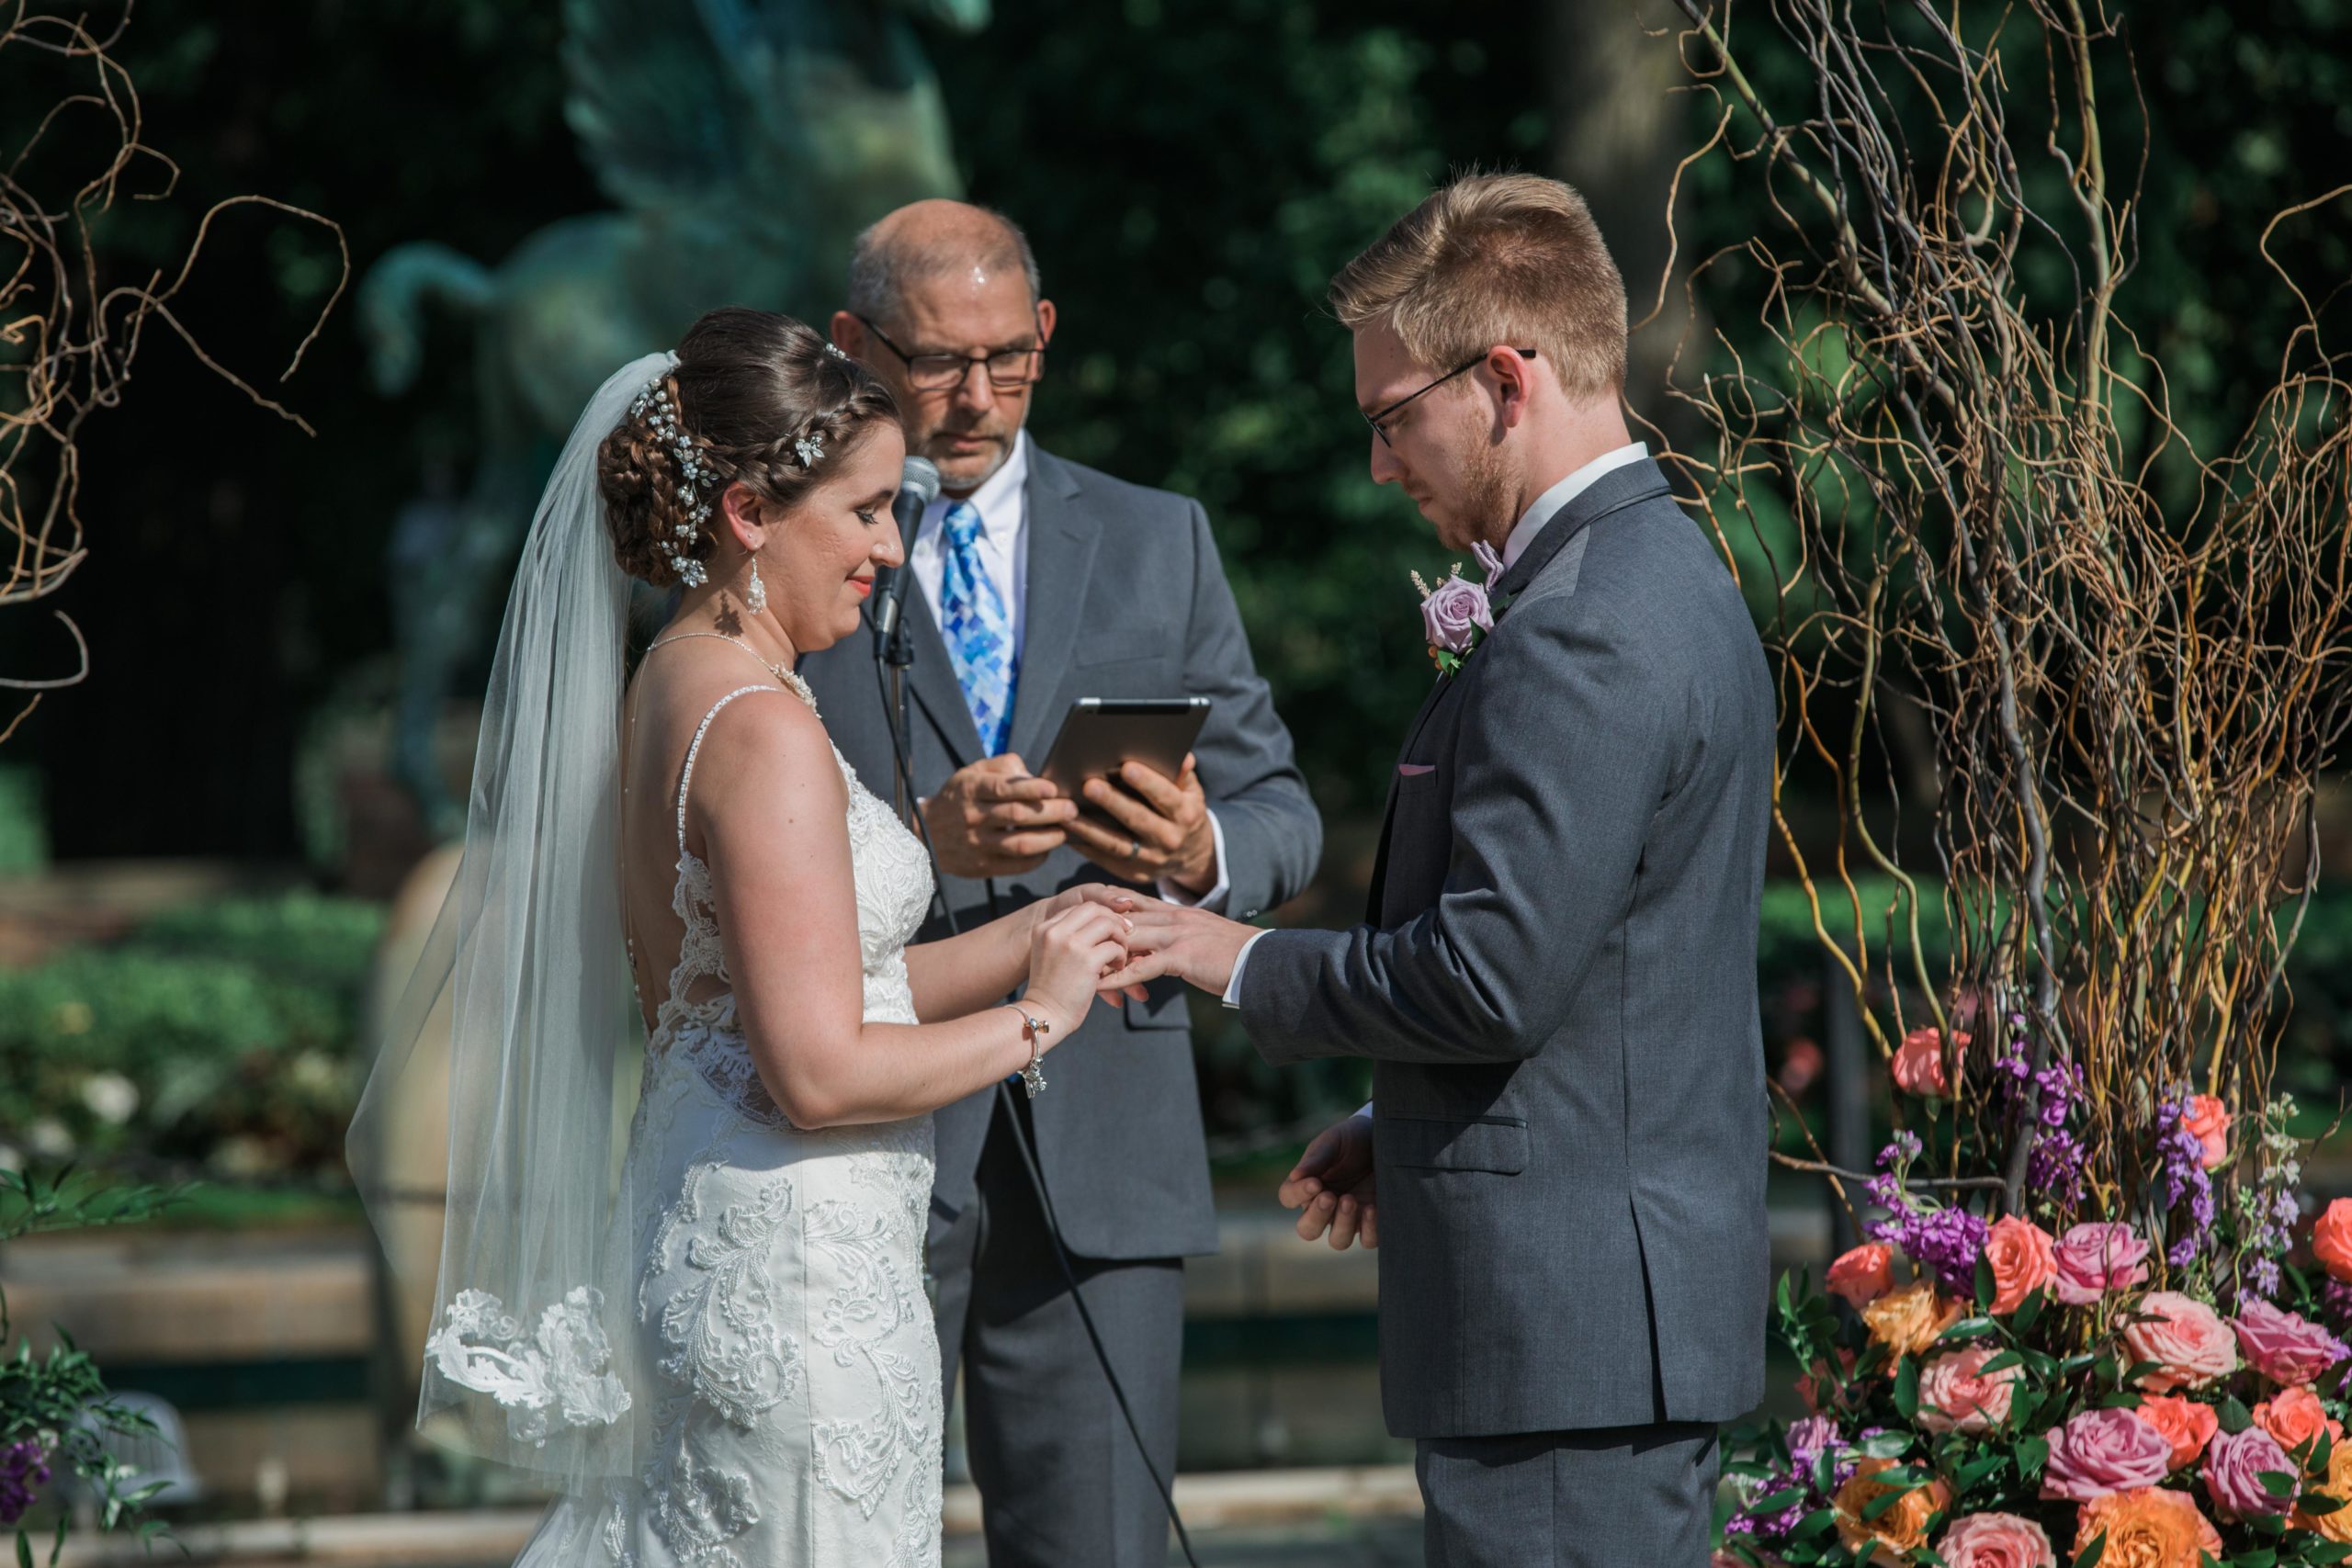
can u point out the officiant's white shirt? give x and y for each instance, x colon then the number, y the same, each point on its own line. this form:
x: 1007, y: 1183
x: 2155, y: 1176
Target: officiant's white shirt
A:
x: 1002, y: 501
x: 1531, y: 523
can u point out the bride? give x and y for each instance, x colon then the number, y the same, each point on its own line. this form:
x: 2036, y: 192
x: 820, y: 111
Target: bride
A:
x: 722, y: 1355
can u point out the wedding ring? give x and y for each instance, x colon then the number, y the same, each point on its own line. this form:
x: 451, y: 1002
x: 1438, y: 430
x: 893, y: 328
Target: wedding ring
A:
x: 1134, y: 849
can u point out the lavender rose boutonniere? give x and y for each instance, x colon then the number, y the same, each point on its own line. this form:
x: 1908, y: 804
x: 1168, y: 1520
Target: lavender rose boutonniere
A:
x: 1456, y: 614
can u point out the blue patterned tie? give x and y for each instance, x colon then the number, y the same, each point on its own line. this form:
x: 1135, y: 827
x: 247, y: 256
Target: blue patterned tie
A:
x: 978, y: 629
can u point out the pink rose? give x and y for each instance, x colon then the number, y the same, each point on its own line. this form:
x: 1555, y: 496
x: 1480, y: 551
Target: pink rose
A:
x: 1862, y: 1275
x: 2288, y: 1350
x: 2233, y: 1465
x: 2103, y: 1450
x: 1955, y: 1395
x: 1995, y: 1540
x: 2019, y: 1252
x: 1919, y: 1063
x: 2208, y: 1123
x: 2097, y: 1257
x: 1453, y: 612
x: 2187, y: 1339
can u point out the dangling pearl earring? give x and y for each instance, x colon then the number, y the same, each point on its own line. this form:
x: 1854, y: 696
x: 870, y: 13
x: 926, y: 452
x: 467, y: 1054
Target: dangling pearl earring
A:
x: 755, y: 593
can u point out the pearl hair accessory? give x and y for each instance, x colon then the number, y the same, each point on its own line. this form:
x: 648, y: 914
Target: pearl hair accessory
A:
x: 692, y: 473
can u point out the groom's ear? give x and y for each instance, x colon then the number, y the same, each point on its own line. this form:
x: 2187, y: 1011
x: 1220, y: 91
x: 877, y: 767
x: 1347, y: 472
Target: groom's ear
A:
x: 1515, y: 379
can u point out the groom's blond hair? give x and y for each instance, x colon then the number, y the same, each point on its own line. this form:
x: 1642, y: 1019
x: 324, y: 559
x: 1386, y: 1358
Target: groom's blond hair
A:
x: 1495, y: 259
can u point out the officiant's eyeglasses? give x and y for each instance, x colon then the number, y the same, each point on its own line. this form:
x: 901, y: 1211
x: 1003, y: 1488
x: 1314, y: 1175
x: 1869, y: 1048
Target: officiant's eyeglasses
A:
x: 1008, y: 368
x: 1375, y: 420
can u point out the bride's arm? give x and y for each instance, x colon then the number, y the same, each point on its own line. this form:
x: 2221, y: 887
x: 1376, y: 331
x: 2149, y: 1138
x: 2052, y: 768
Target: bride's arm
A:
x: 972, y: 968
x: 770, y: 806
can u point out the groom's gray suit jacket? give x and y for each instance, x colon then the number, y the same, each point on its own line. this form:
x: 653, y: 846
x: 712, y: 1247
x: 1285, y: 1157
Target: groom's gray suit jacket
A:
x: 1125, y: 597
x: 1557, y: 988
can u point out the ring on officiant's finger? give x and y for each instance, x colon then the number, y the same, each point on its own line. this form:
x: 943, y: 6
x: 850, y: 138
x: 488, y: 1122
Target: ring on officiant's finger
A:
x: 1134, y: 849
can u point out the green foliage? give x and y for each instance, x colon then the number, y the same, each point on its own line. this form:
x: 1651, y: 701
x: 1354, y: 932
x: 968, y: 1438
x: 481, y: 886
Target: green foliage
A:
x: 58, y: 1403
x: 220, y: 1034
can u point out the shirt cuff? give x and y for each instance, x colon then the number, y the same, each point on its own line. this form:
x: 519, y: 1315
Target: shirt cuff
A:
x: 1367, y: 1108
x: 1240, y: 961
x: 1213, y: 899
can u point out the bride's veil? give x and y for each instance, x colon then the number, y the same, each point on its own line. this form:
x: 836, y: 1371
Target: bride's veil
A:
x: 529, y: 1349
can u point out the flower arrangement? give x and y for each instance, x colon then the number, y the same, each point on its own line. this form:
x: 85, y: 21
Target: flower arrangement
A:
x: 1458, y: 614
x: 2159, y: 1389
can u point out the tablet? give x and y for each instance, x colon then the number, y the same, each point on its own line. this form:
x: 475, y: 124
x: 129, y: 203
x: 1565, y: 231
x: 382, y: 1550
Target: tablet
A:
x: 1098, y: 734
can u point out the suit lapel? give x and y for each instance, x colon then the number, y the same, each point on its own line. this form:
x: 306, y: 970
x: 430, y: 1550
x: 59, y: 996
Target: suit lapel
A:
x: 933, y: 684
x: 1061, y: 562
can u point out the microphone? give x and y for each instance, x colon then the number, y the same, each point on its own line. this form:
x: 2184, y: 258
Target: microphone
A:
x: 917, y: 488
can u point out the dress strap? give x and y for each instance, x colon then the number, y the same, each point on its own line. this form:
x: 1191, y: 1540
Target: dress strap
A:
x: 686, y: 775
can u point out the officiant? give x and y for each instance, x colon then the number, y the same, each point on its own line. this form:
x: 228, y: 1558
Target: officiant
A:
x: 1041, y: 581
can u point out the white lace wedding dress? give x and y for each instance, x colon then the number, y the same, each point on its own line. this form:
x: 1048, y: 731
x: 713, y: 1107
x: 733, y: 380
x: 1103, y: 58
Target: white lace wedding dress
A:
x: 794, y: 1420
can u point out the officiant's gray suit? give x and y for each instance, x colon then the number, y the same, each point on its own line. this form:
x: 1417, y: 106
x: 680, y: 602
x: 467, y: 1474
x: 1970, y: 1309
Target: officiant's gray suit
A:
x: 1125, y: 597
x: 1557, y: 988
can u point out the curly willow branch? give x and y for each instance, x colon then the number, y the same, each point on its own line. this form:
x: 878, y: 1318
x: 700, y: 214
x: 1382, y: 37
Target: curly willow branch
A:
x: 67, y: 341
x: 2127, y: 709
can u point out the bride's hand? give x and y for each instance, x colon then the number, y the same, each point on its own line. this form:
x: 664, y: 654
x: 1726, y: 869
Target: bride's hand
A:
x: 1069, y: 952
x: 1125, y: 900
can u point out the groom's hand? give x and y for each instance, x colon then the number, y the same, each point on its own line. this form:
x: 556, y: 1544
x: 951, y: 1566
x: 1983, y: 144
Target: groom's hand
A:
x: 1331, y: 1186
x: 992, y: 819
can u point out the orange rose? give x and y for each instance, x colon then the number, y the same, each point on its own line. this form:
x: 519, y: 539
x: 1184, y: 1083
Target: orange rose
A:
x: 1894, y: 1534
x: 1817, y: 1388
x: 2208, y: 1123
x: 1862, y: 1275
x: 2332, y: 1239
x: 1919, y: 1062
x: 1908, y: 1319
x: 2336, y: 1525
x: 2295, y: 1417
x: 2187, y: 1425
x: 2023, y: 1260
x: 2147, y: 1527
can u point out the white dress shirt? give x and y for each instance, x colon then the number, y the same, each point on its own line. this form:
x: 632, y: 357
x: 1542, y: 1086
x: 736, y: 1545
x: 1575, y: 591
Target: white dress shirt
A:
x: 1002, y: 501
x: 1531, y: 523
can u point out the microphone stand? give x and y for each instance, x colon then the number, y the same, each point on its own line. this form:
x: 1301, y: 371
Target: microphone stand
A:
x: 898, y: 657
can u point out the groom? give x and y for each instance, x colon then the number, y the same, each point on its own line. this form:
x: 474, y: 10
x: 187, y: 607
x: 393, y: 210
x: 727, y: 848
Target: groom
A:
x: 1558, y: 980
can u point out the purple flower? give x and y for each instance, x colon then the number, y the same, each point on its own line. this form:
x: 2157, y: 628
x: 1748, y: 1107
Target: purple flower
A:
x: 2184, y: 1158
x: 1455, y: 612
x: 24, y: 1470
x: 2234, y: 1462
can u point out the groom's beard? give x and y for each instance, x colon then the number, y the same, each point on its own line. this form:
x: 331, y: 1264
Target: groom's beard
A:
x: 1486, y: 515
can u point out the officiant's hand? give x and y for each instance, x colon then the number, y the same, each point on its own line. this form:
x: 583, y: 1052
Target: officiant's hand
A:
x: 1331, y: 1186
x: 1163, y: 833
x: 992, y: 819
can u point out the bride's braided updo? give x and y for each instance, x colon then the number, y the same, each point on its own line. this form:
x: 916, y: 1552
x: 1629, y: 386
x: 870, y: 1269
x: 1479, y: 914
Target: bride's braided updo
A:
x: 763, y: 402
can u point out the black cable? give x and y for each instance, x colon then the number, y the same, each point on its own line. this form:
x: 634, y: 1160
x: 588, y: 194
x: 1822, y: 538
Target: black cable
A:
x: 1020, y: 1135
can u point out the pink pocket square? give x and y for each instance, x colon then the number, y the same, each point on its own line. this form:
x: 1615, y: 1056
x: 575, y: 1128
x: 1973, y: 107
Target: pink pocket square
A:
x: 1415, y: 770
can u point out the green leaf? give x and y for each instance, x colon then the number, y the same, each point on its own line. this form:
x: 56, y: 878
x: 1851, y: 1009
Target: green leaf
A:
x: 2318, y: 1502
x: 2259, y: 1557
x: 1969, y: 1328
x: 2027, y: 1310
x: 2033, y: 1454
x: 2125, y: 1401
x: 2235, y: 1418
x: 2088, y: 1556
x: 1906, y: 1388
x: 1773, y: 1502
x: 2278, y: 1482
x: 1984, y: 1288
x: 1813, y: 1524
x: 2001, y: 1363
x: 2328, y: 1552
x: 1882, y: 1445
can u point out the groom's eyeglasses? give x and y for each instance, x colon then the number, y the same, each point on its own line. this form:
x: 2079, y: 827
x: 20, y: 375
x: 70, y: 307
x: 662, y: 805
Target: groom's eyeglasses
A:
x: 1376, y: 419
x: 1008, y: 368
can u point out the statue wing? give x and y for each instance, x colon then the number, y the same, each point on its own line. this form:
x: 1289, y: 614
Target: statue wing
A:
x: 657, y: 95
